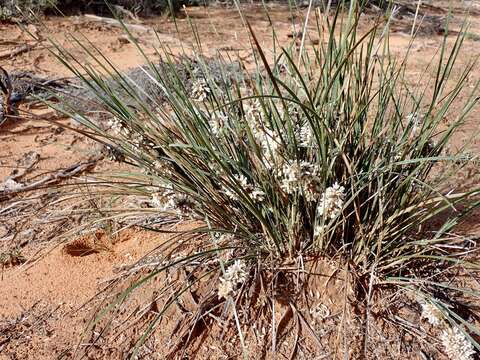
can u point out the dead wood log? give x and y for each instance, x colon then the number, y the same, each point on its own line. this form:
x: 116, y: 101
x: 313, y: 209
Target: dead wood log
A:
x: 17, y: 51
x: 116, y: 23
x: 52, y: 179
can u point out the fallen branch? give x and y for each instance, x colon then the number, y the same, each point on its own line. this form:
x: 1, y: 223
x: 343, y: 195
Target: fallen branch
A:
x: 53, y: 178
x: 17, y: 51
x: 114, y: 22
x: 9, y: 42
x: 28, y: 161
x: 126, y: 13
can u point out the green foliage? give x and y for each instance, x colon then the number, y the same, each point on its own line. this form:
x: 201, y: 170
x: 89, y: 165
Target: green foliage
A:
x: 260, y: 157
x: 325, y: 153
x: 150, y: 7
x: 28, y: 10
x: 140, y: 8
x: 24, y: 9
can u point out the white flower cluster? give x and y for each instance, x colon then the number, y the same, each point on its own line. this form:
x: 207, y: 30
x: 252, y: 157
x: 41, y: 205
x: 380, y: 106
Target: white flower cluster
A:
x: 415, y: 120
x: 303, y: 131
x: 116, y: 126
x: 157, y: 200
x: 217, y: 122
x: 138, y: 141
x: 243, y: 184
x: 331, y: 203
x: 113, y: 153
x: 305, y: 135
x: 271, y: 146
x: 456, y: 345
x: 255, y: 193
x: 318, y: 230
x: 454, y: 341
x: 170, y: 200
x: 301, y: 176
x: 254, y: 114
x: 431, y: 312
x: 162, y: 167
x: 235, y: 275
x: 200, y: 90
x: 215, y: 168
x: 223, y: 239
x: 292, y: 176
x: 10, y: 185
x: 268, y: 140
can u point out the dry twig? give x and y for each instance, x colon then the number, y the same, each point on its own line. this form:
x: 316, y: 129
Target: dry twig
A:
x: 53, y: 178
x: 17, y: 51
x: 116, y: 23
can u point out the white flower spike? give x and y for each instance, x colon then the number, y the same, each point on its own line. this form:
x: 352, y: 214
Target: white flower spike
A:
x: 332, y: 201
x: 456, y: 345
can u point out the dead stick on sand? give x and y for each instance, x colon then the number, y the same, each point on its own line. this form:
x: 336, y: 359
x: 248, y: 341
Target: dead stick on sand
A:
x: 116, y: 23
x: 54, y: 178
x: 16, y: 51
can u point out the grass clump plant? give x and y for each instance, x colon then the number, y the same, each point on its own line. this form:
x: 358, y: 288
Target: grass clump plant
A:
x: 322, y: 154
x: 24, y: 10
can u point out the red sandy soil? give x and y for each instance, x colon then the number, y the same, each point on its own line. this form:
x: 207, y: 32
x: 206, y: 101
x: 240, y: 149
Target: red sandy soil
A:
x: 60, y: 285
x: 44, y: 304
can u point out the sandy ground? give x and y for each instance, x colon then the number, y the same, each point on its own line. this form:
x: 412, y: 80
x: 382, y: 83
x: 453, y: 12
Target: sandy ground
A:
x: 45, y: 304
x: 49, y: 299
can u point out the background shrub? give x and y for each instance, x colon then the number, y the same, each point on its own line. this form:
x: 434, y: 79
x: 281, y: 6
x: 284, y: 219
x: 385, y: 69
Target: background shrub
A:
x: 24, y: 9
x: 27, y: 10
